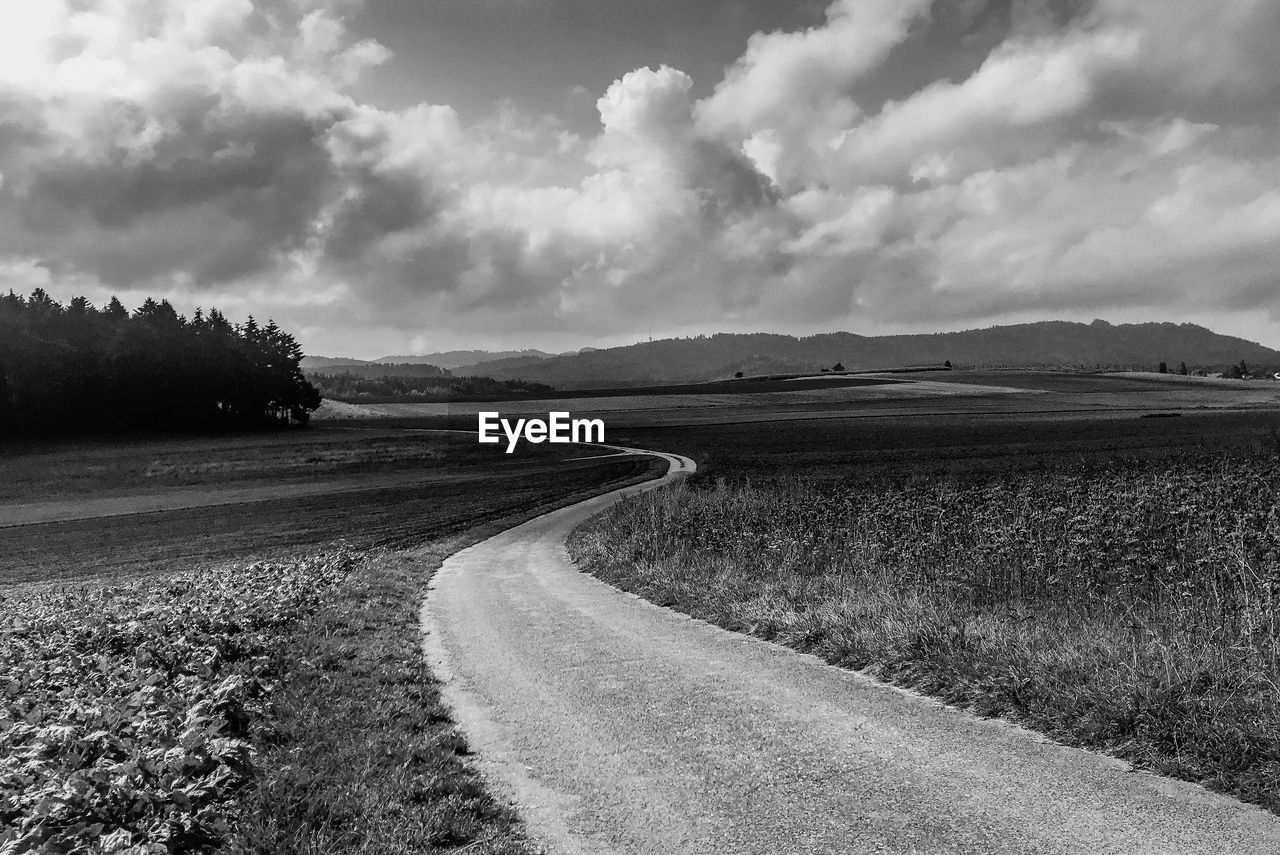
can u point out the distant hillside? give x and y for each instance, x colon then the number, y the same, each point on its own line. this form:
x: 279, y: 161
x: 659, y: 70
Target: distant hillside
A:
x: 370, y: 370
x: 1047, y: 344
x: 387, y: 389
x: 459, y: 358
x: 318, y: 363
x: 512, y: 366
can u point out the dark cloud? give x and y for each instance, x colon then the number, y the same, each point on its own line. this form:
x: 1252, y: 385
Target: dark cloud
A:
x: 728, y: 183
x: 218, y: 198
x: 375, y: 207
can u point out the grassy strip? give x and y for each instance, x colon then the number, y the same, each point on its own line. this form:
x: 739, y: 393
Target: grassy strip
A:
x: 1132, y: 610
x: 364, y: 756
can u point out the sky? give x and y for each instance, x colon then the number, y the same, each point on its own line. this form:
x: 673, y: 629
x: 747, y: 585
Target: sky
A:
x: 404, y: 176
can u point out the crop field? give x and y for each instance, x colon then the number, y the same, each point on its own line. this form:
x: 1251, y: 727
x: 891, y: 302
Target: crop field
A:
x: 1005, y: 395
x: 1138, y: 382
x: 248, y: 676
x: 927, y: 444
x: 360, y: 488
x: 1114, y: 583
x: 780, y: 396
x: 108, y: 467
x: 741, y: 386
x: 130, y: 713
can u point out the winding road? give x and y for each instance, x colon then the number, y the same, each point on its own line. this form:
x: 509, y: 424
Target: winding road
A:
x: 618, y: 726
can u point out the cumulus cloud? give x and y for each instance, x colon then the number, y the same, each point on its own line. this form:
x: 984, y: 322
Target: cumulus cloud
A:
x: 788, y: 97
x: 1119, y: 156
x: 1018, y: 104
x: 159, y: 140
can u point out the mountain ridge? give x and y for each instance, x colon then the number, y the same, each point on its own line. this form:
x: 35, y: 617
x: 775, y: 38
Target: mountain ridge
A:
x: 1041, y: 344
x: 451, y: 359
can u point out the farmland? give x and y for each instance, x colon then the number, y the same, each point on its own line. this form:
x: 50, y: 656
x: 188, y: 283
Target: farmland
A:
x: 1107, y: 579
x: 1007, y: 394
x: 131, y: 712
x: 141, y: 506
x: 908, y: 527
x: 238, y: 665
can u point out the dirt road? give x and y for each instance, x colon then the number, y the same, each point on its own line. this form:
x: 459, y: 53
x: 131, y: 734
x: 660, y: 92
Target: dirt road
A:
x: 622, y: 727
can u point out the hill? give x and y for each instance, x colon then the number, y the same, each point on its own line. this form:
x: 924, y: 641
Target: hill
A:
x: 370, y: 370
x: 451, y: 359
x: 324, y: 363
x: 1046, y: 344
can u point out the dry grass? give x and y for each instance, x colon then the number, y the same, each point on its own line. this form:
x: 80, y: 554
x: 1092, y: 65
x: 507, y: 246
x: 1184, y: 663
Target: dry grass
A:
x: 1132, y: 608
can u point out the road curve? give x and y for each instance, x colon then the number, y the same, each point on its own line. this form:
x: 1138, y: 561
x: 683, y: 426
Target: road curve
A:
x: 621, y: 727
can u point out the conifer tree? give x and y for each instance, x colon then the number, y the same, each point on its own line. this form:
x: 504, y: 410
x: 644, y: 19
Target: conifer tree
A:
x: 79, y: 368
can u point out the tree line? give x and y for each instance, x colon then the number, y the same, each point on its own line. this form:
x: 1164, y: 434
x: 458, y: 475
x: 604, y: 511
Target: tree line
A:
x: 440, y: 385
x: 1238, y: 371
x: 77, y: 368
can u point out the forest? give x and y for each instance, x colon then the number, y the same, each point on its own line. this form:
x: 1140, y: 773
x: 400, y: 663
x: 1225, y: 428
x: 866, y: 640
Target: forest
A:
x: 382, y: 384
x: 80, y: 369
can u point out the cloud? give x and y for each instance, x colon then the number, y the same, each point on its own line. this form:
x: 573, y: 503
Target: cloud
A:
x: 788, y: 95
x: 1115, y: 154
x: 1019, y: 104
x: 647, y: 105
x: 1209, y: 59
x: 168, y: 140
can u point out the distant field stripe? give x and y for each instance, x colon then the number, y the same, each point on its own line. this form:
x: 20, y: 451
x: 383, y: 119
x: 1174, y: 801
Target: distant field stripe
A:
x: 185, y: 498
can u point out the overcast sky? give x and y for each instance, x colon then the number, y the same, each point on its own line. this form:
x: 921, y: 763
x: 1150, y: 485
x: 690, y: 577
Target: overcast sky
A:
x: 412, y: 175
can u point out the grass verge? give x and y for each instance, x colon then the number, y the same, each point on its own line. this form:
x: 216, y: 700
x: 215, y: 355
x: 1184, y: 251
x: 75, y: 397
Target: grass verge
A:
x: 363, y: 755
x: 1131, y: 608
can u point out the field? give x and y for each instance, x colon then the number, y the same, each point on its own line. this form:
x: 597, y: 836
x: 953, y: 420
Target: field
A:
x: 1108, y: 579
x: 132, y: 710
x: 239, y: 667
x: 1016, y: 395
x: 916, y: 443
x: 743, y: 386
x: 1091, y: 555
x: 141, y: 506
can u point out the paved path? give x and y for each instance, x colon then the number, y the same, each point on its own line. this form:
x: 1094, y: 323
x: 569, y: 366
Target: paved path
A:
x: 622, y: 727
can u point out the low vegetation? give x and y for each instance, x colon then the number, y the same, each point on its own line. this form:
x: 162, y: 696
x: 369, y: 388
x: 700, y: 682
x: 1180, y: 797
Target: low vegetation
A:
x: 270, y: 708
x: 131, y: 714
x: 364, y: 756
x: 1129, y: 605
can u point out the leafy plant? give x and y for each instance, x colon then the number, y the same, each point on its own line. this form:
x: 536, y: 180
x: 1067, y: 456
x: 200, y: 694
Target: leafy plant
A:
x: 128, y: 715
